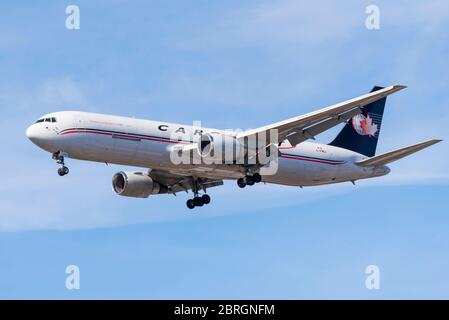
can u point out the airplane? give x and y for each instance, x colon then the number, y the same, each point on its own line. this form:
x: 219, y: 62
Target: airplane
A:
x: 351, y: 156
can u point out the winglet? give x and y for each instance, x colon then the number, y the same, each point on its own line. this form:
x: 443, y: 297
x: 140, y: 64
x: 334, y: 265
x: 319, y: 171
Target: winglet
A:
x: 395, y: 88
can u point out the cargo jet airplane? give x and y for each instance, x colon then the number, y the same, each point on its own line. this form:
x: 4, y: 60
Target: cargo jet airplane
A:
x: 154, y: 145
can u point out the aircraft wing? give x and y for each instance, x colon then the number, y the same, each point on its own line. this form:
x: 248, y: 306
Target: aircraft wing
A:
x: 301, y: 128
x: 177, y: 181
x: 388, y: 157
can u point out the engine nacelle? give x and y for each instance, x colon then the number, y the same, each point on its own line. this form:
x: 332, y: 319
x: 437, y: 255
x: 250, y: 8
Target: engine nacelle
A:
x: 220, y: 148
x: 135, y: 184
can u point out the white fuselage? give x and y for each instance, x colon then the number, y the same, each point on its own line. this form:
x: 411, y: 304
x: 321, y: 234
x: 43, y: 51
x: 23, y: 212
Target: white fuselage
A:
x: 144, y: 143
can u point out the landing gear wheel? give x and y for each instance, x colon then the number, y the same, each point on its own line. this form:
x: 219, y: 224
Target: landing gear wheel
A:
x: 241, y: 183
x: 190, y: 204
x: 249, y: 181
x: 205, y: 198
x: 257, y: 177
x: 61, y: 172
x: 198, y: 201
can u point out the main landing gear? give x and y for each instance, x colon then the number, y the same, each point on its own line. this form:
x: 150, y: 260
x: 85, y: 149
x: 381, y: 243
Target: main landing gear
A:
x: 197, y: 201
x: 249, y: 180
x: 63, y: 170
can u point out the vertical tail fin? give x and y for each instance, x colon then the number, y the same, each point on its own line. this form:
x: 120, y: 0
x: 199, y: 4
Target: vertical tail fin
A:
x: 361, y: 132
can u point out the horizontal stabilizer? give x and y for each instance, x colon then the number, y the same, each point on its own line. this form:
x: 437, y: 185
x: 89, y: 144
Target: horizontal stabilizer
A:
x: 395, y: 155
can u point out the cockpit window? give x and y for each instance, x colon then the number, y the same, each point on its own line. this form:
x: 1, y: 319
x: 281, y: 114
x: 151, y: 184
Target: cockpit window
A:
x: 52, y: 119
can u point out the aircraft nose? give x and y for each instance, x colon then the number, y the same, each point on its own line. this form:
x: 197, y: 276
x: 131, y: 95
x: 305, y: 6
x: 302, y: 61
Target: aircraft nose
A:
x: 43, y: 135
x: 32, y: 134
x: 38, y: 135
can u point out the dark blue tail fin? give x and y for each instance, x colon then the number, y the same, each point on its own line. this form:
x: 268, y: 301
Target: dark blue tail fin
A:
x: 361, y: 132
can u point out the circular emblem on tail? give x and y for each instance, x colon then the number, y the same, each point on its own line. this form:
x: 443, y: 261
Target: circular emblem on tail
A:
x: 364, y: 125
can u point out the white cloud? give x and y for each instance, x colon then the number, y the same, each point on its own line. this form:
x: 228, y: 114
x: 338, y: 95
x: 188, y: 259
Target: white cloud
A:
x: 61, y: 91
x: 300, y: 22
x: 51, y: 94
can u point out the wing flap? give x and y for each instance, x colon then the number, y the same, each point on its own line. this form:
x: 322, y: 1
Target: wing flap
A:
x: 310, y: 132
x: 388, y: 157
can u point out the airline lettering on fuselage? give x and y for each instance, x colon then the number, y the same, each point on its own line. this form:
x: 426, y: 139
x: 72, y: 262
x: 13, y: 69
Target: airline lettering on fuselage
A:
x: 164, y: 127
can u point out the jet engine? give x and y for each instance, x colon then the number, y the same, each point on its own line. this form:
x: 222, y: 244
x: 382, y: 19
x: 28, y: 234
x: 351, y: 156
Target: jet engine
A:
x: 135, y: 184
x: 220, y: 148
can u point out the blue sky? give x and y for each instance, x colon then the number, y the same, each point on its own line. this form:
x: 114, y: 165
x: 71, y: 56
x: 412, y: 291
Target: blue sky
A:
x: 231, y: 65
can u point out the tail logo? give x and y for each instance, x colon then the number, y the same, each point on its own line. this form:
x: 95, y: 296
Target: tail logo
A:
x: 364, y: 125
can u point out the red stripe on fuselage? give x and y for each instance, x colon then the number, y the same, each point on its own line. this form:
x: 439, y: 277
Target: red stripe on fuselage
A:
x: 123, y: 136
x: 311, y: 160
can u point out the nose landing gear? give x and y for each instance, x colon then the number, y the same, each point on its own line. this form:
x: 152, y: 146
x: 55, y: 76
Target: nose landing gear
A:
x: 59, y: 157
